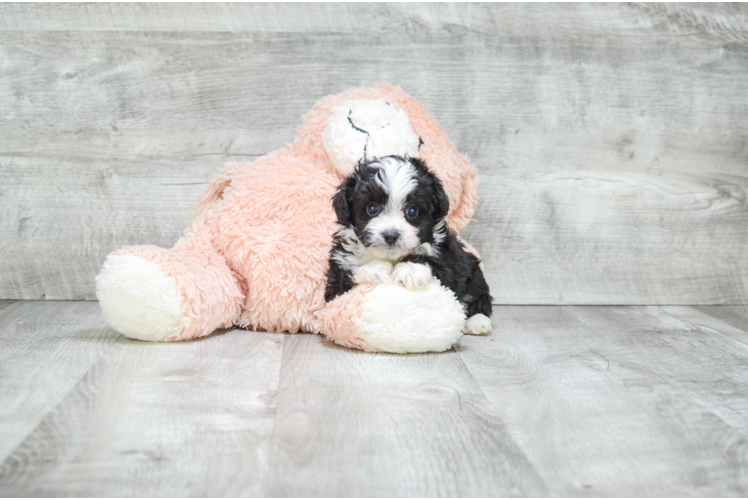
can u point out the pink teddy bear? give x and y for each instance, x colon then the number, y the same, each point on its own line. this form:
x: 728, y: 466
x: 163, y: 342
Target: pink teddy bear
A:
x: 256, y: 252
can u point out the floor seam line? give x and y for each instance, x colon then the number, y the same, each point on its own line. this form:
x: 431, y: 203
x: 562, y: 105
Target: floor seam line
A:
x: 272, y: 460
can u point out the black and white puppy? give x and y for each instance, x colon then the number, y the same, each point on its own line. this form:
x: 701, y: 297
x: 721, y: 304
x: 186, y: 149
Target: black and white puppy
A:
x: 392, y: 216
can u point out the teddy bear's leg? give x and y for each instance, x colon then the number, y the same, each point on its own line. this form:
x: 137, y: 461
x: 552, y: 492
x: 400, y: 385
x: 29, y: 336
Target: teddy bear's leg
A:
x: 391, y: 318
x: 149, y: 293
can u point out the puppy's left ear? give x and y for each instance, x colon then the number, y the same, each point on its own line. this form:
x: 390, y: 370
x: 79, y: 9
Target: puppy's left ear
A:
x: 341, y: 202
x: 440, y: 201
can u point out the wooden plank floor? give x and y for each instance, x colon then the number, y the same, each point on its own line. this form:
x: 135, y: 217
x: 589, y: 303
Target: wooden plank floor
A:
x: 562, y: 401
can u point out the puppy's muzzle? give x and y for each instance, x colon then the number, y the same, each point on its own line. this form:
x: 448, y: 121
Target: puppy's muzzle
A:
x: 391, y: 236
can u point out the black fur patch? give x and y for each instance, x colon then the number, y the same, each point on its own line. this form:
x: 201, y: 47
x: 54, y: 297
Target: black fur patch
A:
x: 460, y: 271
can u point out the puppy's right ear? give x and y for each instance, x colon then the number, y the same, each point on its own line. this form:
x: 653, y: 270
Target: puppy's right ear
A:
x: 341, y: 202
x: 441, y: 202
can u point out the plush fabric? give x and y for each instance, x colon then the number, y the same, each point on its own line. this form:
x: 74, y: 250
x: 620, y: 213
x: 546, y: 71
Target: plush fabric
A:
x: 256, y: 253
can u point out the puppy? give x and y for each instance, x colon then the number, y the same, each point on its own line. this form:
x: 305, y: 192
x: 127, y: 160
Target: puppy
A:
x: 392, y: 230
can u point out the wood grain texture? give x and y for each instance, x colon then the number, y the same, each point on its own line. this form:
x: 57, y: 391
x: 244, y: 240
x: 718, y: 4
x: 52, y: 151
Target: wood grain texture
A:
x: 611, y: 140
x: 700, y: 357
x: 60, y: 231
x: 594, y: 413
x: 351, y: 424
x: 180, y: 419
x: 576, y: 401
x: 45, y: 348
x: 571, y: 21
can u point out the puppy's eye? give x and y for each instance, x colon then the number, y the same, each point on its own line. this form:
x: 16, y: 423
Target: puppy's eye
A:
x: 372, y: 209
x: 411, y: 212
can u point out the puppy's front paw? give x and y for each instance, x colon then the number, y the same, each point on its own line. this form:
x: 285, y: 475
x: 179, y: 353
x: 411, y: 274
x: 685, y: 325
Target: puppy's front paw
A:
x: 376, y: 273
x: 478, y: 324
x: 412, y: 276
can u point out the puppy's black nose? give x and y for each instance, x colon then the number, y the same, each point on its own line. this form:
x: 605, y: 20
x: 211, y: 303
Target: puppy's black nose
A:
x: 390, y: 236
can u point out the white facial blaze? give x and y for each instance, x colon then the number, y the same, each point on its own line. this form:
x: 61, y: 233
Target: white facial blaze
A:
x: 398, y: 179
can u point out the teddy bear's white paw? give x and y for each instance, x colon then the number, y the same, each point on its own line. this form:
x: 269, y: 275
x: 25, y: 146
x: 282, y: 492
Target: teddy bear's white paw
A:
x: 478, y: 324
x: 138, y: 299
x: 412, y: 276
x: 394, y: 319
x: 377, y: 273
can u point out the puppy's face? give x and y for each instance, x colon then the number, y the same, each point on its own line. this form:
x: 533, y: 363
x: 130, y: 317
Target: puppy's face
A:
x: 394, y: 205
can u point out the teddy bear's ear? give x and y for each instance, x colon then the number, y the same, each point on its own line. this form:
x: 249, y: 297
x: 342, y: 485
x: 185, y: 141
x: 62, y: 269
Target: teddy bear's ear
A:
x: 341, y: 202
x: 462, y: 211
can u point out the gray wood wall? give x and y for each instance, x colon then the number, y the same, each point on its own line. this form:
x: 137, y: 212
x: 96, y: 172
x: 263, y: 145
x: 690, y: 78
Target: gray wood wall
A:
x: 611, y: 139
